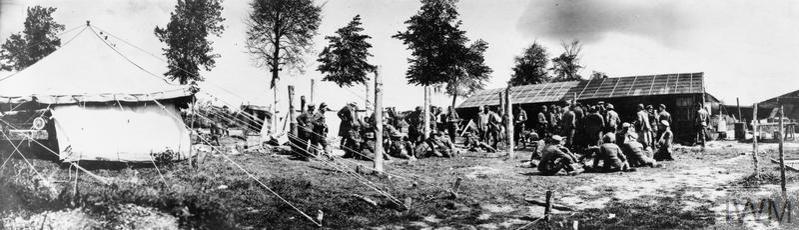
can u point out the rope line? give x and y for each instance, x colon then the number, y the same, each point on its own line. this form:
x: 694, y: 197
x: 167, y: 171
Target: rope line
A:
x: 62, y: 45
x: 358, y: 178
x: 16, y: 150
x: 99, y: 178
x: 371, y: 158
x: 10, y: 155
x: 245, y: 171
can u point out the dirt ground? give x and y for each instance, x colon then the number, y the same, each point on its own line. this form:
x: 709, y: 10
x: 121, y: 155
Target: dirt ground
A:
x: 690, y: 192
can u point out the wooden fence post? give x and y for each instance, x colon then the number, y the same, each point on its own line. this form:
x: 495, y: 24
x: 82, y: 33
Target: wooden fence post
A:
x: 509, y: 123
x: 548, y: 209
x: 292, y: 121
x: 755, y: 133
x: 782, y: 153
x: 378, y: 160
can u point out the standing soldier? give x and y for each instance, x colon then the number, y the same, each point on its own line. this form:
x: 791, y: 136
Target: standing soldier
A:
x: 494, y: 127
x: 612, y: 118
x: 519, y: 125
x: 663, y: 115
x: 452, y: 119
x: 554, y: 119
x: 350, y: 129
x: 542, y: 123
x: 593, y: 124
x: 653, y: 122
x: 568, y: 124
x: 702, y: 119
x: 579, y: 127
x: 416, y: 125
x: 438, y: 117
x: 642, y: 127
x: 320, y: 128
x: 482, y: 124
x: 305, y: 130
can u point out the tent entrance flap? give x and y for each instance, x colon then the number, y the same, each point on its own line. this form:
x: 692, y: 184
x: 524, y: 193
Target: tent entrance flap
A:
x: 127, y: 134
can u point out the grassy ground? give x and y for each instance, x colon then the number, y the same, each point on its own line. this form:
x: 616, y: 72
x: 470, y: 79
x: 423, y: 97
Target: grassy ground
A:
x: 491, y: 196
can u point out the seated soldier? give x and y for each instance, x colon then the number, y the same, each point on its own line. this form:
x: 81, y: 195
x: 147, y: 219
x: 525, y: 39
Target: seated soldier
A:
x: 398, y: 146
x: 537, y: 143
x: 556, y: 157
x: 472, y: 142
x: 636, y: 155
x: 437, y: 145
x: 368, y: 144
x: 664, y: 142
x: 610, y: 155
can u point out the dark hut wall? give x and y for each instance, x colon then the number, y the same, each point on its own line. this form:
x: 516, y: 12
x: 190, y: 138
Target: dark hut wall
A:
x: 680, y: 92
x: 682, y: 108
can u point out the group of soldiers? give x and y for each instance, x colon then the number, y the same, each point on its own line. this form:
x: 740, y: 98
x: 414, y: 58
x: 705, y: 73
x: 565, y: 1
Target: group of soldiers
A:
x: 403, y: 134
x: 563, y: 135
x: 575, y: 136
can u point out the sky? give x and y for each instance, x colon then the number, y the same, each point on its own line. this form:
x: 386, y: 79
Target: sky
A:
x: 745, y: 48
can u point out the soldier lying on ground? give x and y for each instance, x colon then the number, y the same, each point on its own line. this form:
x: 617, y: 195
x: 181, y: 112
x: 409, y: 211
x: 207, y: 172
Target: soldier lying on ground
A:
x: 472, y: 142
x: 437, y: 145
x: 556, y: 157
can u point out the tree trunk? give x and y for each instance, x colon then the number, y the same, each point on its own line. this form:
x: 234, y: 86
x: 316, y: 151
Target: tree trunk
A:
x: 379, y: 151
x: 454, y: 97
x: 426, y: 111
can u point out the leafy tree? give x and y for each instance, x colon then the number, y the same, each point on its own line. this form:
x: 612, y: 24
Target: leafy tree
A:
x: 344, y: 59
x: 37, y: 40
x: 531, y: 67
x: 436, y: 41
x: 280, y: 32
x: 438, y: 48
x: 475, y: 73
x: 186, y: 36
x: 566, y: 66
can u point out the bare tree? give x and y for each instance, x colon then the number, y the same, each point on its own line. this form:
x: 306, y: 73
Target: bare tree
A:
x: 566, y: 66
x: 279, y: 33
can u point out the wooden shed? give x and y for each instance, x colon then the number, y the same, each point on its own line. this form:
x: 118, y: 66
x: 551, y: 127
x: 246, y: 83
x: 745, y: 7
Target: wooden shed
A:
x: 680, y: 92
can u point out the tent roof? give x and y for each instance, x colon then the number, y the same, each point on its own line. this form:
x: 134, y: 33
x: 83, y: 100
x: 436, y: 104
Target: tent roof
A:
x: 648, y: 85
x: 87, y: 69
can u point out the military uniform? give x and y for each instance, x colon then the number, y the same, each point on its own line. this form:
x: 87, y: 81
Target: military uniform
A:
x: 320, y: 129
x: 555, y: 158
x: 350, y: 130
x: 611, y: 156
x: 519, y: 126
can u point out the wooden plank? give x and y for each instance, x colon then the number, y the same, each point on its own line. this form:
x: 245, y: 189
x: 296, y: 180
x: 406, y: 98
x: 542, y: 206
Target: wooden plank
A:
x: 790, y: 165
x: 614, y: 87
x: 585, y: 87
x: 24, y: 134
x: 631, y: 86
x: 652, y: 85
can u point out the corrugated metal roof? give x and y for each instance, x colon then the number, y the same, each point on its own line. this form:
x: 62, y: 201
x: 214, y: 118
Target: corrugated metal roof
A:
x: 664, y: 84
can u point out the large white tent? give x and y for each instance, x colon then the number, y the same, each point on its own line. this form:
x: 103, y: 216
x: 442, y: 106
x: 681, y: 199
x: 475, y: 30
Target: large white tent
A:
x: 104, y: 106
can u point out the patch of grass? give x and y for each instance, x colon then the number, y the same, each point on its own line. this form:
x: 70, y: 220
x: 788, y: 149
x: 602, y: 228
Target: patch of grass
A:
x: 646, y: 212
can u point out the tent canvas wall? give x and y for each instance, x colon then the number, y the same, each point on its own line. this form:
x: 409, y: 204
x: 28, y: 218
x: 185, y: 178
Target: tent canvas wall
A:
x: 103, y: 105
